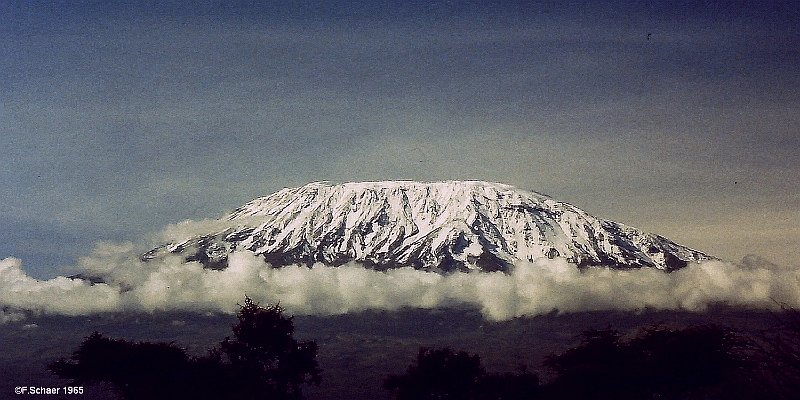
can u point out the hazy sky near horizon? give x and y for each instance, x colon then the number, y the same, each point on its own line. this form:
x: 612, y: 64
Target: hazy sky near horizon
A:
x: 117, y: 118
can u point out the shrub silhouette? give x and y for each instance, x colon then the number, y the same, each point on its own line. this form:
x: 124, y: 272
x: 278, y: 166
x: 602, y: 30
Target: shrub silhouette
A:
x: 446, y: 375
x: 592, y: 368
x: 697, y: 362
x: 703, y: 362
x: 137, y: 370
x: 261, y: 361
x: 510, y: 386
x: 778, y: 350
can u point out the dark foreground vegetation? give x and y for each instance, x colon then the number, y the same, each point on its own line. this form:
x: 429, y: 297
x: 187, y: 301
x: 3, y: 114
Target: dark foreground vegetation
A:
x: 445, y: 374
x: 262, y: 360
x: 706, y: 362
x: 698, y: 362
x: 357, y: 352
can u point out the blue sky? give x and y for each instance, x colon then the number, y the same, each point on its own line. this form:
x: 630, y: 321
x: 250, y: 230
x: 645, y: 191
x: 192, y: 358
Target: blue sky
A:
x: 117, y: 118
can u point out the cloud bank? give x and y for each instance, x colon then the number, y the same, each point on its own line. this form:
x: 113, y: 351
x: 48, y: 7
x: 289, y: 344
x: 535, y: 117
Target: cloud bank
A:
x: 530, y: 289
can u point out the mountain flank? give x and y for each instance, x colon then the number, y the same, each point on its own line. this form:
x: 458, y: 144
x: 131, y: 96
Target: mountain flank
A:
x: 434, y: 226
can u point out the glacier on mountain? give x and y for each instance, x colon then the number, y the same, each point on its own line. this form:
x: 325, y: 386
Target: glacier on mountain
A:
x: 434, y: 226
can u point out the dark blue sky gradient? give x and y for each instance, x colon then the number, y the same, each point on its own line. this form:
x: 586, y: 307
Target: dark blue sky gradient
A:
x: 676, y: 117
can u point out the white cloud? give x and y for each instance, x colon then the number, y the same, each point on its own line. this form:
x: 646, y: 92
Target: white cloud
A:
x: 59, y: 295
x: 530, y: 289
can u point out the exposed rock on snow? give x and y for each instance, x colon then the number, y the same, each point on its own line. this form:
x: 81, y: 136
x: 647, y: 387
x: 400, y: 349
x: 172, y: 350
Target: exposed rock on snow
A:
x: 438, y: 226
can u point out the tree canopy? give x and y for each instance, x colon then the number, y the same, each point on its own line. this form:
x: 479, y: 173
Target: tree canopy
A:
x: 442, y: 374
x: 703, y: 362
x: 262, y: 360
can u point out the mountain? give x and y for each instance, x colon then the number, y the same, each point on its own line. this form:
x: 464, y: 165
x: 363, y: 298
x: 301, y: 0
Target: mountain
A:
x: 435, y: 226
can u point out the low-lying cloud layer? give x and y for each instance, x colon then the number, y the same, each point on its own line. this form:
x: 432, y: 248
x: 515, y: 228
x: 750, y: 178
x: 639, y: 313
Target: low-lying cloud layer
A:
x: 530, y: 289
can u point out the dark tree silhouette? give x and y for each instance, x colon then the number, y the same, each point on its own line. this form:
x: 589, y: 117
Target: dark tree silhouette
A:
x: 778, y: 352
x: 438, y: 374
x: 138, y: 370
x: 591, y: 370
x: 701, y: 362
x: 522, y: 385
x: 446, y: 375
x: 261, y: 361
x: 265, y: 357
x: 697, y: 362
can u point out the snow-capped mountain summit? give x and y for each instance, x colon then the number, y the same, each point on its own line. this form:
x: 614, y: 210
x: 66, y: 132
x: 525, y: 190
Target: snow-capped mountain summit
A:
x: 437, y: 226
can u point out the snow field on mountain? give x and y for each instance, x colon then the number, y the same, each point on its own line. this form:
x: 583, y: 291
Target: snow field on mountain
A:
x: 434, y: 226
